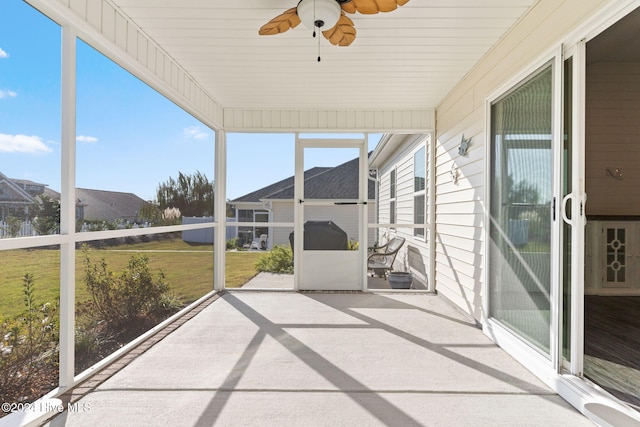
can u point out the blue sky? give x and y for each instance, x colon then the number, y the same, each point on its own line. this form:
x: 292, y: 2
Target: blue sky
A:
x: 128, y: 137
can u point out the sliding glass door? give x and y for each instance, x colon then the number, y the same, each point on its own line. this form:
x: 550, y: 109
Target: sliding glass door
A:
x: 522, y: 209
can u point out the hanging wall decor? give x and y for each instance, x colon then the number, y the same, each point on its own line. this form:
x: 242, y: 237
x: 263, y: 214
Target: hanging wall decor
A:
x: 464, y: 146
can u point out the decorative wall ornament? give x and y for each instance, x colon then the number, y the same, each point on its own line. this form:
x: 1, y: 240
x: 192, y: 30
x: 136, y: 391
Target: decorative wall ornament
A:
x: 615, y: 173
x: 455, y: 174
x: 464, y: 146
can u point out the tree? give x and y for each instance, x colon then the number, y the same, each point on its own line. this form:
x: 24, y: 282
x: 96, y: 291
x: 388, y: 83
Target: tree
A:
x: 150, y: 212
x: 46, y: 215
x: 191, y: 194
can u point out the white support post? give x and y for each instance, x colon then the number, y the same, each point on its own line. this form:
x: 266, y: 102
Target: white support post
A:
x: 298, y: 214
x: 68, y: 211
x: 220, y: 210
x: 363, y: 209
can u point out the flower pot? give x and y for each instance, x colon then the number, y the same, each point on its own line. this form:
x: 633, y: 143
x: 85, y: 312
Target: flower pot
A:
x: 400, y: 280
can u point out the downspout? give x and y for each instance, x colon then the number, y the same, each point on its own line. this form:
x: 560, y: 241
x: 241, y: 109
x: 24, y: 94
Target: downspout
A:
x: 431, y: 281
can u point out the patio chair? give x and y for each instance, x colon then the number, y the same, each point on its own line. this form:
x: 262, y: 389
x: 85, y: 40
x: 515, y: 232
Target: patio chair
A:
x: 260, y: 243
x: 381, y: 262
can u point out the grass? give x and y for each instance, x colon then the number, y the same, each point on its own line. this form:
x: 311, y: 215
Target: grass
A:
x: 188, y: 269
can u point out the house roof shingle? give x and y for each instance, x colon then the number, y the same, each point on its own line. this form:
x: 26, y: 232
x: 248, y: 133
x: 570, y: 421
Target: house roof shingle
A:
x: 109, y: 205
x: 340, y: 182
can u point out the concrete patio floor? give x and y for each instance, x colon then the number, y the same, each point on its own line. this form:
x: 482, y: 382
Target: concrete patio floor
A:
x: 312, y: 359
x: 285, y: 281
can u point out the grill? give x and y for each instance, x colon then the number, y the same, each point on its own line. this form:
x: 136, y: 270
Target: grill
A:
x: 323, y: 236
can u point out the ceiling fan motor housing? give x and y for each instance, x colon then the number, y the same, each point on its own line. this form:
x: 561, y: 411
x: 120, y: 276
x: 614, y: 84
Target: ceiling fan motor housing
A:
x: 319, y: 13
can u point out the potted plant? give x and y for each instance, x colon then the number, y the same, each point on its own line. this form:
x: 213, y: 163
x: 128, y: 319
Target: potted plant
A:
x: 400, y: 280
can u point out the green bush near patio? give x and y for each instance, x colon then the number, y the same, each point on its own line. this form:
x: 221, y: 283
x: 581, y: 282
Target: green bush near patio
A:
x: 278, y: 260
x: 187, y: 268
x: 132, y: 295
x: 111, y: 308
x: 28, y: 346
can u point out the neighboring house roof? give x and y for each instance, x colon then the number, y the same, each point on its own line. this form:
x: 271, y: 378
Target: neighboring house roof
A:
x: 108, y: 205
x: 266, y: 192
x: 31, y: 187
x: 340, y: 182
x: 12, y: 193
x: 53, y: 194
x: 96, y: 204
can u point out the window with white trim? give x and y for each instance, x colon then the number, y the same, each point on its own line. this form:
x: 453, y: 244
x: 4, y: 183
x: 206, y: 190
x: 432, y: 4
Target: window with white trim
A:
x: 419, y: 191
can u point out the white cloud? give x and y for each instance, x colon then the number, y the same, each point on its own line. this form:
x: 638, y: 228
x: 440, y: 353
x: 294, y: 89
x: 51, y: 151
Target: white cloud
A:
x: 3, y: 54
x: 87, y: 139
x: 7, y: 94
x: 194, y: 132
x: 22, y: 144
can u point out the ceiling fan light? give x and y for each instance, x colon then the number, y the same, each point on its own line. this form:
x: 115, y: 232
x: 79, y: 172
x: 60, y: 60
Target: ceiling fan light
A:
x: 322, y: 14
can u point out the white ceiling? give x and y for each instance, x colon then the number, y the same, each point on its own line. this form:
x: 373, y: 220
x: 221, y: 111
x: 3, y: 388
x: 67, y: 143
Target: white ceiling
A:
x: 406, y: 59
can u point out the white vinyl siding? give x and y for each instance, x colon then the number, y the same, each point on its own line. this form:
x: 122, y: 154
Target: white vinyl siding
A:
x: 414, y: 255
x: 460, y: 253
x: 282, y: 211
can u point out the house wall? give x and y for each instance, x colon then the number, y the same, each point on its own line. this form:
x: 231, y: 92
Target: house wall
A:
x: 414, y: 254
x: 459, y: 210
x: 282, y: 211
x: 346, y: 217
x: 612, y: 129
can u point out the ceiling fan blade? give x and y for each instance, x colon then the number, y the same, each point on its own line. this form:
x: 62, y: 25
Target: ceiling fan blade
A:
x: 369, y: 7
x: 281, y: 23
x: 343, y: 33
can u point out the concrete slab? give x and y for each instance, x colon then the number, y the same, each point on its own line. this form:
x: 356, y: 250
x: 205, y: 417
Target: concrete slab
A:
x: 261, y: 358
x: 285, y: 281
x: 270, y: 281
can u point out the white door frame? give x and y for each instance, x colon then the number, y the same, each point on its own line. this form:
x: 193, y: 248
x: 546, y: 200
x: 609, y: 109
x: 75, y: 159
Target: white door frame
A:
x: 304, y: 264
x: 576, y: 218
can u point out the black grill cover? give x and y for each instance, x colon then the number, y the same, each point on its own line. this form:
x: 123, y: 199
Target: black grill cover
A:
x: 323, y: 236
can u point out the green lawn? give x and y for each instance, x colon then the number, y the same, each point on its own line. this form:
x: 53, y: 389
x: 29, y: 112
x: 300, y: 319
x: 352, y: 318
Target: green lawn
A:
x: 188, y: 269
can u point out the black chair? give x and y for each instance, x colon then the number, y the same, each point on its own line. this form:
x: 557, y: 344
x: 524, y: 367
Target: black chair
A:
x: 381, y: 262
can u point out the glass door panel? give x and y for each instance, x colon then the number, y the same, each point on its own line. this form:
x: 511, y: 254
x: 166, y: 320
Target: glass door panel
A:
x: 520, y: 211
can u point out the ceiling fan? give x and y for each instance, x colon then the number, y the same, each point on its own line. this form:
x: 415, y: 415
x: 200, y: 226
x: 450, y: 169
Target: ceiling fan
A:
x: 329, y: 17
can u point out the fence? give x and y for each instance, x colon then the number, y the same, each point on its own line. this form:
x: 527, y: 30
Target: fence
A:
x: 28, y: 229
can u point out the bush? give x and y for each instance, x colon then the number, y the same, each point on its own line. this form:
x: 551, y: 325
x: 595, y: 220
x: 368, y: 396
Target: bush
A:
x: 28, y: 348
x: 234, y: 243
x: 134, y: 294
x: 14, y: 225
x: 278, y: 260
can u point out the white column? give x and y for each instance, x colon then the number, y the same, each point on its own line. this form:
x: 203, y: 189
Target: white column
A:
x: 363, y: 209
x: 298, y: 214
x: 220, y: 210
x: 67, y: 209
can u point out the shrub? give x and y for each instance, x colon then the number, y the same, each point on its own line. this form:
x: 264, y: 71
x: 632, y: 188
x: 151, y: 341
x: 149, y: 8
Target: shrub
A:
x: 46, y: 214
x: 14, y: 225
x: 90, y: 337
x: 278, y: 260
x: 134, y: 294
x: 28, y: 347
x: 234, y: 243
